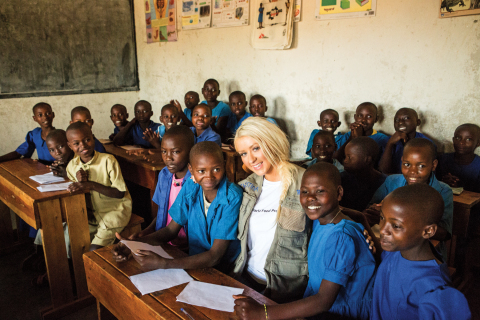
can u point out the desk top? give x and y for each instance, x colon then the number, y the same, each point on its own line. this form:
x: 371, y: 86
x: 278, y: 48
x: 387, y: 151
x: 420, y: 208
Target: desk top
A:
x: 137, y: 160
x: 467, y: 198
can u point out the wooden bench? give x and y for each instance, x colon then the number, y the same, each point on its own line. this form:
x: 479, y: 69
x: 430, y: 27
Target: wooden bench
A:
x: 134, y: 225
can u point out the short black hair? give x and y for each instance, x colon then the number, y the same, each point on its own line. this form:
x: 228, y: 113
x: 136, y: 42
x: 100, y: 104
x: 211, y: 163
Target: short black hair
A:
x: 422, y: 143
x: 212, y: 80
x: 203, y: 105
x: 258, y: 96
x: 79, y: 126
x: 326, y: 168
x: 143, y: 103
x: 237, y: 93
x: 206, y: 147
x: 194, y: 93
x: 80, y: 109
x: 41, y: 104
x: 169, y: 106
x: 119, y: 106
x: 330, y: 110
x: 368, y: 146
x: 56, y: 134
x: 324, y: 133
x: 184, y: 133
x: 368, y: 104
x: 472, y: 126
x: 409, y: 109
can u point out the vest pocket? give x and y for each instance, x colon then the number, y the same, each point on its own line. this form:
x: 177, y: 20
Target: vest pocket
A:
x: 292, y: 247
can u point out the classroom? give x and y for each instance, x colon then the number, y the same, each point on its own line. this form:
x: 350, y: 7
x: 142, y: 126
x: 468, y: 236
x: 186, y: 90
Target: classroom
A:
x: 405, y: 56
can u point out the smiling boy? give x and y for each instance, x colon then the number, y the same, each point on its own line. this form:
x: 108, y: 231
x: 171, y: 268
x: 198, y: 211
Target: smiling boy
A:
x: 329, y: 121
x: 258, y: 108
x: 220, y: 110
x: 238, y: 104
x: 82, y: 114
x: 119, y: 117
x: 201, y: 118
x: 323, y: 149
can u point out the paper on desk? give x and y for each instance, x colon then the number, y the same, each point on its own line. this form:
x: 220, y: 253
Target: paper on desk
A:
x: 130, y: 147
x: 135, y: 245
x: 105, y: 141
x: 160, y: 279
x: 209, y: 296
x: 54, y: 187
x: 47, y: 178
x: 457, y: 191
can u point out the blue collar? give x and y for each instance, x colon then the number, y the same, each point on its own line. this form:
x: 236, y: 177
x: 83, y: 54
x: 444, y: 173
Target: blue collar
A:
x: 168, y: 175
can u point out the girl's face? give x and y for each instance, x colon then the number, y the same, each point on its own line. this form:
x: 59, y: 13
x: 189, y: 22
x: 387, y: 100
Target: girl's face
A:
x: 253, y: 157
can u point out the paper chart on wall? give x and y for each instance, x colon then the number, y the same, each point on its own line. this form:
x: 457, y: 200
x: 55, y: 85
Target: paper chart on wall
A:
x: 342, y: 9
x: 160, y: 19
x: 196, y: 14
x: 230, y: 13
x: 298, y: 10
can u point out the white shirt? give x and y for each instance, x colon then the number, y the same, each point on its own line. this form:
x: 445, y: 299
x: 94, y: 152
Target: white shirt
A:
x: 261, y: 229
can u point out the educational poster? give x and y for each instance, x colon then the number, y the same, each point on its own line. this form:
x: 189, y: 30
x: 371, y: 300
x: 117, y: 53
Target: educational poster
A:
x: 298, y: 10
x: 456, y: 8
x: 341, y: 9
x: 160, y: 19
x: 273, y: 24
x: 230, y: 13
x: 196, y: 14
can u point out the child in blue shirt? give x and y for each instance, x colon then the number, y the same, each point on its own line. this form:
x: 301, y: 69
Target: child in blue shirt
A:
x: 133, y: 132
x: 35, y: 139
x: 329, y: 121
x: 418, y: 165
x: 119, y: 117
x: 238, y: 104
x: 341, y: 269
x: 202, y: 118
x: 82, y: 114
x: 323, y: 148
x: 258, y: 108
x: 405, y: 122
x: 412, y: 282
x: 209, y: 205
x: 220, y: 110
x: 191, y: 100
x: 169, y: 117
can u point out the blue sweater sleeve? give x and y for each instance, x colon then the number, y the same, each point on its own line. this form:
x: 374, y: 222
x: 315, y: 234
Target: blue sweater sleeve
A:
x: 27, y: 148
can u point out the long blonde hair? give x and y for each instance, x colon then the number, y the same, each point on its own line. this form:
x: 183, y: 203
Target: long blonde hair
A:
x: 275, y: 147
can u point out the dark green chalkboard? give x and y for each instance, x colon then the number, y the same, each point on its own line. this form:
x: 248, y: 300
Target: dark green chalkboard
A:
x: 58, y: 47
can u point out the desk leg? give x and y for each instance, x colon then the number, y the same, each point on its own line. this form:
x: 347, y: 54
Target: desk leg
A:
x: 55, y: 252
x: 6, y: 230
x: 77, y: 220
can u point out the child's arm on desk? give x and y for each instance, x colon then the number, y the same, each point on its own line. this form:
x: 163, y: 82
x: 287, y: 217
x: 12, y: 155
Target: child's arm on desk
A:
x: 10, y: 156
x: 120, y: 137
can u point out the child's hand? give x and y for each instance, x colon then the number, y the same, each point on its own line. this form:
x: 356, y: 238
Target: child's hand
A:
x: 369, y: 240
x: 231, y: 145
x: 111, y: 136
x: 120, y: 251
x: 373, y: 214
x: 248, y: 309
x: 149, y: 259
x: 397, y: 136
x: 177, y: 105
x: 151, y: 136
x: 77, y: 186
x: 357, y: 130
x: 153, y: 157
x: 136, y: 152
x: 451, y: 180
x: 82, y: 175
x: 136, y: 235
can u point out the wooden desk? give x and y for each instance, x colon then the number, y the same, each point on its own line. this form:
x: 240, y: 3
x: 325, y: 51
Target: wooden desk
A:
x: 47, y: 211
x: 108, y: 282
x: 233, y: 165
x: 135, y: 169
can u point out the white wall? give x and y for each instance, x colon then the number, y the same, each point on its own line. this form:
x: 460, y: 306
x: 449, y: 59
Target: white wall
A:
x: 404, y: 57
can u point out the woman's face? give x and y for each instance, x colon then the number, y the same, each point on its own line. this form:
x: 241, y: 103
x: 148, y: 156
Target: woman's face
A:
x: 253, y: 157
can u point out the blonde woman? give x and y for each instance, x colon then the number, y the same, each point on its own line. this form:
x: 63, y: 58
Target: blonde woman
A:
x: 273, y: 228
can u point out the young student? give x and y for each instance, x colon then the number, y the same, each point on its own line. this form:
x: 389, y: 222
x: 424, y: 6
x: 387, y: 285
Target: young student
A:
x: 169, y: 117
x: 412, y: 282
x: 462, y: 167
x: 418, y: 165
x: 209, y: 205
x: 238, y: 104
x: 57, y: 145
x: 323, y: 149
x: 119, y: 117
x: 35, y: 139
x: 220, y: 110
x: 191, y: 99
x: 340, y: 267
x: 329, y: 121
x: 82, y: 114
x: 176, y: 145
x: 100, y: 173
x: 133, y: 132
x: 365, y: 117
x: 202, y: 118
x: 258, y: 107
x: 360, y: 180
x: 405, y: 122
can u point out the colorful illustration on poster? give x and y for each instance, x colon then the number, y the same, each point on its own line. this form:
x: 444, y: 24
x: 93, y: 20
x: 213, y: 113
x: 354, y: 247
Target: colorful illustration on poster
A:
x: 298, y: 10
x: 230, y: 13
x: 273, y: 21
x: 457, y: 8
x: 341, y: 9
x: 158, y: 15
x: 196, y: 14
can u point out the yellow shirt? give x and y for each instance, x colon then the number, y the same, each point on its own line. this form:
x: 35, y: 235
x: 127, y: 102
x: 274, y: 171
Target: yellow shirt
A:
x: 104, y: 169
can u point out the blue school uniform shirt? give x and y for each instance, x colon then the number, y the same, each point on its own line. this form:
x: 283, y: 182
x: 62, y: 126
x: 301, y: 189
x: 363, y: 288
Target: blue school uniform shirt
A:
x: 336, y: 163
x: 398, y: 153
x: 272, y: 121
x: 135, y: 135
x: 410, y: 290
x: 221, y: 221
x: 99, y: 146
x: 233, y: 124
x: 161, y: 131
x: 188, y: 113
x: 221, y: 110
x: 162, y: 195
x: 207, y: 135
x: 33, y: 141
x: 398, y: 180
x: 357, y: 193
x: 339, y: 140
x: 468, y: 174
x: 338, y: 253
x: 380, y: 138
x: 116, y: 130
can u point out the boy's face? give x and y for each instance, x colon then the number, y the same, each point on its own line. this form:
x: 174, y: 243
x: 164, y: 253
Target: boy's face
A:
x: 174, y: 153
x: 465, y: 140
x: 318, y: 195
x: 201, y: 117
x: 258, y: 107
x: 329, y: 121
x: 82, y: 143
x: 366, y: 116
x: 237, y: 105
x: 169, y: 118
x: 211, y: 91
x: 191, y: 100
x: 355, y: 159
x: 143, y: 113
x: 59, y: 149
x: 208, y: 170
x: 82, y: 117
x: 323, y: 148
x: 417, y: 165
x: 406, y: 121
x: 43, y: 115
x: 119, y: 116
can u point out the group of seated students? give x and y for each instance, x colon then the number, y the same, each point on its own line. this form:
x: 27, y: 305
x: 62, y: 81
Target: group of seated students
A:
x: 302, y: 237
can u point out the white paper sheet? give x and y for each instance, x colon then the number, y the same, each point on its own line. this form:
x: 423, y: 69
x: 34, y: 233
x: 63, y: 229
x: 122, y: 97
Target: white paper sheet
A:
x: 47, y: 178
x: 130, y: 147
x: 135, y: 245
x: 209, y: 295
x: 54, y: 187
x: 160, y: 279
